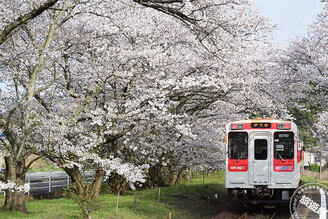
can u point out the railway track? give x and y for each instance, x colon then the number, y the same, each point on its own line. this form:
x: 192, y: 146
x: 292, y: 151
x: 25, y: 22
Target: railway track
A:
x: 266, y: 212
x: 257, y: 216
x: 240, y: 211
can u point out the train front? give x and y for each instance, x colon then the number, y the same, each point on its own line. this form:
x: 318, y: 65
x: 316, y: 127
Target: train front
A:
x: 263, y: 161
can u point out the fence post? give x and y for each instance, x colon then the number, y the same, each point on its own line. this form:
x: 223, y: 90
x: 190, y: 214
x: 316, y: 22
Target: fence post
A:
x: 159, y: 194
x: 49, y: 183
x: 117, y: 201
x: 135, y: 200
x: 29, y: 185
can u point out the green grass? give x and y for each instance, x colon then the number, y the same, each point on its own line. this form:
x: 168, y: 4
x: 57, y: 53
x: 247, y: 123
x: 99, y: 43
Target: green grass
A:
x: 48, y: 168
x: 56, y: 208
x: 42, y: 165
x: 310, y: 179
x: 190, y: 199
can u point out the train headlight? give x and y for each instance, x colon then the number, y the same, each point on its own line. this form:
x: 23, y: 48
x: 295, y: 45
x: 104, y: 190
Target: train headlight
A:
x: 284, y: 126
x: 237, y: 126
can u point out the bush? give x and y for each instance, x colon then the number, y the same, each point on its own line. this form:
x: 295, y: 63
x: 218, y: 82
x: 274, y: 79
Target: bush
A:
x: 84, y: 200
x: 315, y: 167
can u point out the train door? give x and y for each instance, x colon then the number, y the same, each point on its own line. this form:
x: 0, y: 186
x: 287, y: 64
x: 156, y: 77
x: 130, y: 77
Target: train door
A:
x: 259, y: 154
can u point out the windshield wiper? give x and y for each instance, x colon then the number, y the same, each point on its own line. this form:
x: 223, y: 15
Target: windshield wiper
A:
x: 237, y: 160
x: 281, y: 157
x: 239, y: 157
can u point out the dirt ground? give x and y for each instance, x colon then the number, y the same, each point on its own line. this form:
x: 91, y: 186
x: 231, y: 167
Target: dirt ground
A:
x: 232, y: 211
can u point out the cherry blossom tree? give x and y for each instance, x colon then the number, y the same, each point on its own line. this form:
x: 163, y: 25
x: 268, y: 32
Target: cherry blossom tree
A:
x: 204, y: 84
x: 112, y: 85
x: 303, y: 67
x: 321, y: 128
x: 305, y: 59
x: 28, y: 60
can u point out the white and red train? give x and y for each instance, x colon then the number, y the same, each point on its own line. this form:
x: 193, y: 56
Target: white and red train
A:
x: 264, y: 160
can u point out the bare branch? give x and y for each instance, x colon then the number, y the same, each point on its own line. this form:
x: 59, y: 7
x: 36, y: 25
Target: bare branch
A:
x: 31, y: 162
x: 167, y: 10
x: 162, y: 1
x: 25, y: 18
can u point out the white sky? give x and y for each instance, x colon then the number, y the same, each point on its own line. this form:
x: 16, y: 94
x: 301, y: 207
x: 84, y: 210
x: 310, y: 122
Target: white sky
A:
x: 292, y: 16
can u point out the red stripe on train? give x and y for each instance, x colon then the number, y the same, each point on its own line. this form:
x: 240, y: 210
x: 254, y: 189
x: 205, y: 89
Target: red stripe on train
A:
x: 235, y: 165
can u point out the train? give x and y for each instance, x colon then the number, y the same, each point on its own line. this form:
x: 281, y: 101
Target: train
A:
x: 264, y: 160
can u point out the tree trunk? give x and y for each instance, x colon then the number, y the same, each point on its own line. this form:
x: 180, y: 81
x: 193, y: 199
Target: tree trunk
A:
x: 95, y: 190
x: 19, y: 197
x: 177, y: 180
x: 174, y: 177
x: 156, y: 176
x: 117, y: 183
x: 80, y: 184
x: 8, y: 199
x: 19, y: 202
x: 9, y: 176
x: 77, y: 179
x: 15, y: 201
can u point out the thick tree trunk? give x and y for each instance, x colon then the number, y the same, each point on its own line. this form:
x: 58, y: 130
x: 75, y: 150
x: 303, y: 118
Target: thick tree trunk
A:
x: 19, y: 202
x: 8, y: 199
x: 10, y: 175
x: 156, y: 176
x: 173, y: 174
x: 18, y: 197
x: 95, y: 190
x: 117, y: 184
x: 81, y: 185
x: 77, y: 178
x: 15, y: 201
x: 173, y: 177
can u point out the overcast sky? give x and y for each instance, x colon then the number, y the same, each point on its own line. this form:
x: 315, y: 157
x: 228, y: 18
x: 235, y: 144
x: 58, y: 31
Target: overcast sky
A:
x: 292, y: 16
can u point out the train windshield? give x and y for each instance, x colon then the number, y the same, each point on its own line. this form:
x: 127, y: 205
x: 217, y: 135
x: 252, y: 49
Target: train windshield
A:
x: 284, y: 145
x: 238, y: 145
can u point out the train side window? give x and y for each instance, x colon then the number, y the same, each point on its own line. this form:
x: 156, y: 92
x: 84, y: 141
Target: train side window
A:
x: 260, y: 149
x: 238, y: 145
x: 284, y: 145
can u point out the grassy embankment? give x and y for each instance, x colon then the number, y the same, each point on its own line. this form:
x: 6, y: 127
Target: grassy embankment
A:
x: 190, y: 199
x: 313, y: 177
x: 42, y: 165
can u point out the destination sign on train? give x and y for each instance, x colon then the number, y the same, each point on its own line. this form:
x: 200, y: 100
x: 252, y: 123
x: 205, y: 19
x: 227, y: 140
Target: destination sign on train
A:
x: 261, y: 125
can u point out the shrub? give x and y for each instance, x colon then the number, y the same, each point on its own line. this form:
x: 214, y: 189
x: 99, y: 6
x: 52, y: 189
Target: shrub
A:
x: 86, y: 203
x: 315, y: 167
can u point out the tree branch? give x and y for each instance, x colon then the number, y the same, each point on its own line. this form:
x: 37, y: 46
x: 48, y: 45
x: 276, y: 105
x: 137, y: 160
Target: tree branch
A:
x: 31, y: 162
x: 167, y: 10
x: 25, y: 18
x: 162, y: 1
